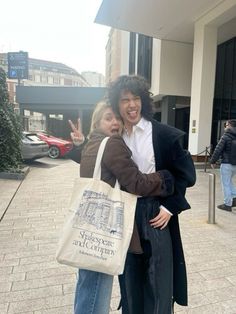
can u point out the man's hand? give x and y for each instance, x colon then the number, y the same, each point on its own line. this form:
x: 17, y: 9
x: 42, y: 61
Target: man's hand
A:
x: 161, y: 220
x: 77, y: 136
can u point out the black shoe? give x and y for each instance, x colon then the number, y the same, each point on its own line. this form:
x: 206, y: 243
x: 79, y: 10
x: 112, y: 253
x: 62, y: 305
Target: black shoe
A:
x: 225, y: 207
x: 234, y: 202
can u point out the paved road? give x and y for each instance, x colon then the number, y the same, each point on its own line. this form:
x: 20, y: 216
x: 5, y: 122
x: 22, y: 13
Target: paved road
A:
x: 31, y: 281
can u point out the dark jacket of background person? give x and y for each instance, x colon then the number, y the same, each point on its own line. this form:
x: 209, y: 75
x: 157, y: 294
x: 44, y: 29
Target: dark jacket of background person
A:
x: 117, y: 164
x: 170, y: 155
x: 223, y: 148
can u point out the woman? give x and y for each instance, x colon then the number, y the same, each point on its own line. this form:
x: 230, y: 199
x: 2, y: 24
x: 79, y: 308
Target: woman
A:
x: 93, y: 290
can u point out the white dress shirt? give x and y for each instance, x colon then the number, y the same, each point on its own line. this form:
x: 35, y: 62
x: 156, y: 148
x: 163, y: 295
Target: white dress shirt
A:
x: 140, y: 143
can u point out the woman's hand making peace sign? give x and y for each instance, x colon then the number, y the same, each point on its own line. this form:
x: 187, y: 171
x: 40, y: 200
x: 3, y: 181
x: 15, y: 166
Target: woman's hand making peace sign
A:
x: 76, y: 135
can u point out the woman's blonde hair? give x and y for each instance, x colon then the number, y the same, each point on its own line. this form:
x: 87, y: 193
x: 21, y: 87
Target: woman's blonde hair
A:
x: 97, y: 115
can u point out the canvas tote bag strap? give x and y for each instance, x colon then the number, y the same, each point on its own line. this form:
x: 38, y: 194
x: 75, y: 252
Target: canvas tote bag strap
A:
x: 97, y: 168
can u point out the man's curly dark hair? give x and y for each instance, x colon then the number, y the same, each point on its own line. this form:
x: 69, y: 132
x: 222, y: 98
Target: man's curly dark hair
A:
x: 135, y: 84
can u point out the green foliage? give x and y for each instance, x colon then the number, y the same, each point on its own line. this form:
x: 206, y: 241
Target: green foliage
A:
x: 10, y: 130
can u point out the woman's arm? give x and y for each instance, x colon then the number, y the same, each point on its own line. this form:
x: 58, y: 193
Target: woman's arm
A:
x: 117, y: 158
x: 78, y: 140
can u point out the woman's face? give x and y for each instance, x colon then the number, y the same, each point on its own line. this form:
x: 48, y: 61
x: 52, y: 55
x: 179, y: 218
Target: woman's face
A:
x: 109, y: 123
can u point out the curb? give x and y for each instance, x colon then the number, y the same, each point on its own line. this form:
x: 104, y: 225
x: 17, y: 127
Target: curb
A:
x: 14, y: 175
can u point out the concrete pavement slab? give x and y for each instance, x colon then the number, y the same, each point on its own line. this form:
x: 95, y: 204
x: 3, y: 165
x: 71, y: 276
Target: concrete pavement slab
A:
x: 7, y: 191
x: 31, y: 281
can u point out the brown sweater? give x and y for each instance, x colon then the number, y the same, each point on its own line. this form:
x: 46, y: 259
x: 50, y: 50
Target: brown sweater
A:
x: 118, y: 164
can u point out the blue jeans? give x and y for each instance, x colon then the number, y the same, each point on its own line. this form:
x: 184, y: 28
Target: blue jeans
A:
x: 227, y: 172
x: 93, y: 293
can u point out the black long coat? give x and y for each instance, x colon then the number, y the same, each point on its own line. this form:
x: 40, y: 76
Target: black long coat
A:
x: 170, y: 155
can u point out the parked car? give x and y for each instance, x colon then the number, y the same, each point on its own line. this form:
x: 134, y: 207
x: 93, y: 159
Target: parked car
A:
x: 32, y: 147
x: 58, y: 147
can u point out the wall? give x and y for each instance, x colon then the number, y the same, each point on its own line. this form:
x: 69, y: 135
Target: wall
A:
x: 117, y: 54
x: 156, y: 61
x: 172, y: 68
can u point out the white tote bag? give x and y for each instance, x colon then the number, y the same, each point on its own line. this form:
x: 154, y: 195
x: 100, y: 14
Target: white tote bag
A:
x: 98, y: 232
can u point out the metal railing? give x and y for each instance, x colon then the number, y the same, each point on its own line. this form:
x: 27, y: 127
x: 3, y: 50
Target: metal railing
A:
x: 207, y: 155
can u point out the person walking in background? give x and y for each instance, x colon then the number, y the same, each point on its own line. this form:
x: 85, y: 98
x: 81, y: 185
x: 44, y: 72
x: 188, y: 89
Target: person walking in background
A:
x: 154, y: 280
x: 226, y: 149
x: 93, y: 289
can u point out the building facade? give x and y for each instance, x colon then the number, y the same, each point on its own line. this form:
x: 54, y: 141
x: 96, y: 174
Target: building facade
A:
x: 184, y: 59
x: 132, y: 53
x: 94, y: 79
x: 42, y: 73
x: 117, y: 54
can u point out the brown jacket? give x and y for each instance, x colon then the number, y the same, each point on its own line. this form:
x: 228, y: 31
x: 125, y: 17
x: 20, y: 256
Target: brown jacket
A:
x: 118, y: 164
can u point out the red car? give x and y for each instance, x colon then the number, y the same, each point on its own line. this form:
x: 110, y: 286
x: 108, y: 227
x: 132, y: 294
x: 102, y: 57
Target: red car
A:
x: 57, y: 146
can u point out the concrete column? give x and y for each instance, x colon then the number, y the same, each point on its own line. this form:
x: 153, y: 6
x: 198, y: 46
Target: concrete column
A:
x: 202, y: 89
x: 46, y: 120
x: 168, y: 110
x: 22, y: 112
x: 24, y: 121
x: 124, y: 59
x: 80, y: 115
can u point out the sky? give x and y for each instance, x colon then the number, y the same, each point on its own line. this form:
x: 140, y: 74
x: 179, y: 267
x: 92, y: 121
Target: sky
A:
x: 55, y: 30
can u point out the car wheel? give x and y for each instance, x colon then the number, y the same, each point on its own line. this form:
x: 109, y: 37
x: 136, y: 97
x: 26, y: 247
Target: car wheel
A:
x: 54, y: 152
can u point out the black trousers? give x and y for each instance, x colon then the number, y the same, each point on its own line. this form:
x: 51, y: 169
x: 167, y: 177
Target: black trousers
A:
x: 147, y: 282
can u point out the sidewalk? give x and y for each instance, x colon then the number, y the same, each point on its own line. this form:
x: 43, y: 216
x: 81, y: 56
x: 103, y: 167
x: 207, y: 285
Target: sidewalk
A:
x: 31, y: 281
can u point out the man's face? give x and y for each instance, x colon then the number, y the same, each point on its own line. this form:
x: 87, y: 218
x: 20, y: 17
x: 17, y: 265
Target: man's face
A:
x: 130, y: 109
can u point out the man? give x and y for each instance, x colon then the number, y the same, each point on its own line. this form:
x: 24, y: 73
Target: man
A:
x: 155, y: 279
x: 226, y: 148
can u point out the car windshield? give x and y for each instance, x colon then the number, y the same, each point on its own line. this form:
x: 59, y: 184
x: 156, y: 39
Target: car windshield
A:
x: 32, y: 137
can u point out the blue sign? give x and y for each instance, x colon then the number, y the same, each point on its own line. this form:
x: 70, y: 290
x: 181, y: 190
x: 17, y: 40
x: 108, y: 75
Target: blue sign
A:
x: 18, y: 65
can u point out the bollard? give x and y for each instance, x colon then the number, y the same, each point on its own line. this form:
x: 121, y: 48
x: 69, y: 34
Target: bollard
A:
x: 211, y: 203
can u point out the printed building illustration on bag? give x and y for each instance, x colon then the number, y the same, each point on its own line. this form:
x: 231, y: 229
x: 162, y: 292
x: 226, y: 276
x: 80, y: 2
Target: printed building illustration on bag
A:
x: 103, y: 213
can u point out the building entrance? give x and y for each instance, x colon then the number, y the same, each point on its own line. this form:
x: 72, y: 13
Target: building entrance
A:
x: 224, y: 105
